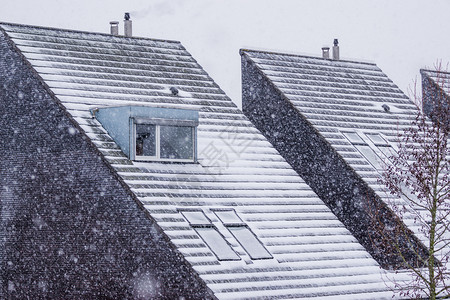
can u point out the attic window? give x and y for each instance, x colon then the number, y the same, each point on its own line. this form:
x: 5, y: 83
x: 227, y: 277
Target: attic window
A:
x: 152, y: 133
x: 164, y: 140
x: 242, y: 233
x: 210, y: 235
x: 382, y: 145
x: 364, y: 149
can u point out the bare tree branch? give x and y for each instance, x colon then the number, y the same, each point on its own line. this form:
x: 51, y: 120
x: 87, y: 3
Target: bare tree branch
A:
x: 419, y: 174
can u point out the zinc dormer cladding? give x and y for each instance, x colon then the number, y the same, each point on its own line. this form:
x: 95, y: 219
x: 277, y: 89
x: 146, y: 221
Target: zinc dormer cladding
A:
x: 151, y: 133
x: 309, y: 252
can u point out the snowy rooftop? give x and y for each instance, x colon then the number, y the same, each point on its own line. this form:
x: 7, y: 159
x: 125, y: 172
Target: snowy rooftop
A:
x: 441, y: 78
x: 313, y: 254
x: 353, y: 105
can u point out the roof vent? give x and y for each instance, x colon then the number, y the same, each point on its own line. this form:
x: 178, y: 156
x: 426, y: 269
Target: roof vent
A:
x: 128, y: 25
x: 336, y: 50
x: 386, y: 107
x: 174, y: 90
x: 326, y: 52
x: 114, y: 27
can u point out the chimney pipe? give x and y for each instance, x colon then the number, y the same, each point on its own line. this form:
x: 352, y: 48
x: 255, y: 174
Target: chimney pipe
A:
x: 128, y: 25
x: 326, y: 52
x: 336, y: 50
x: 114, y: 27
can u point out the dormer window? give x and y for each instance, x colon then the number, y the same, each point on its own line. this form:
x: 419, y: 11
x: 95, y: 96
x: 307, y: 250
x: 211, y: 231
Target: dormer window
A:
x: 152, y: 133
x: 145, y: 140
x: 164, y: 140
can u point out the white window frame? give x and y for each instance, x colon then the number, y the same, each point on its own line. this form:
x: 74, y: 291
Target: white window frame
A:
x: 207, y: 224
x: 382, y: 146
x: 158, y: 123
x: 238, y: 223
x: 358, y: 144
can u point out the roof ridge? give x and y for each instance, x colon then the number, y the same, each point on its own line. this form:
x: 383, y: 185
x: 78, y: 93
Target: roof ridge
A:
x: 86, y: 32
x: 243, y: 50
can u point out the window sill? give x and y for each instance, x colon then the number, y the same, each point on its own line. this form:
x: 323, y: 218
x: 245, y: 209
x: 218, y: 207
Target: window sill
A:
x: 150, y: 159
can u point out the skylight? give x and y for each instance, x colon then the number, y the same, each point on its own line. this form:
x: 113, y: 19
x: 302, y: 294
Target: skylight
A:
x: 243, y: 234
x: 382, y: 145
x: 376, y: 139
x: 364, y: 149
x: 210, y: 235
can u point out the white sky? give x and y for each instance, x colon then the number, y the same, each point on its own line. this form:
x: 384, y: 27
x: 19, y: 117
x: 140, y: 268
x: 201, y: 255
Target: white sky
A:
x: 401, y: 36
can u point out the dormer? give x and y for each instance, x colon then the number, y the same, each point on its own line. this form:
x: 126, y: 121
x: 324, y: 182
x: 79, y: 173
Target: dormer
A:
x: 152, y: 133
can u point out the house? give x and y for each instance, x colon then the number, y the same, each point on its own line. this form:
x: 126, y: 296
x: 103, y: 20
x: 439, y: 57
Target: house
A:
x: 126, y: 172
x: 336, y: 121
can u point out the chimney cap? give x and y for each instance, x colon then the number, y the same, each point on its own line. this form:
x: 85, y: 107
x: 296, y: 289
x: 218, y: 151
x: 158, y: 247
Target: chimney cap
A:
x: 326, y: 52
x: 127, y: 26
x: 114, y: 27
x: 335, y: 42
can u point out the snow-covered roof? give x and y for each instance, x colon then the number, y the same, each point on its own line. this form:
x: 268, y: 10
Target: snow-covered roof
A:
x: 314, y: 255
x: 340, y: 98
x: 440, y: 77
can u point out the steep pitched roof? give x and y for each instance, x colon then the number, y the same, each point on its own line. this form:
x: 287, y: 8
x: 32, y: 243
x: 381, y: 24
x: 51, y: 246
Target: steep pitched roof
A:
x: 440, y: 77
x: 337, y: 97
x: 313, y: 253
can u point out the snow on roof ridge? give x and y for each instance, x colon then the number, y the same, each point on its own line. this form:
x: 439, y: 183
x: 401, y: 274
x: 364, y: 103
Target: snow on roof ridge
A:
x: 85, y: 32
x: 424, y: 70
x: 286, y: 53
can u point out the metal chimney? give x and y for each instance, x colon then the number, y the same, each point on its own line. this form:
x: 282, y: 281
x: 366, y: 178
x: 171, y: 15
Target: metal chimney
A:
x: 128, y: 25
x: 326, y: 52
x: 336, y: 50
x: 114, y: 27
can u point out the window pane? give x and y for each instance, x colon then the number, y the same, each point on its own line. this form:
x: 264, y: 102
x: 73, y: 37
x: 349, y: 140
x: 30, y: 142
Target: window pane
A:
x: 228, y: 216
x: 145, y: 140
x: 354, y: 137
x: 196, y: 217
x: 370, y: 155
x: 176, y: 142
x: 217, y: 243
x: 387, y: 151
x: 249, y: 242
x: 377, y: 139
